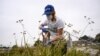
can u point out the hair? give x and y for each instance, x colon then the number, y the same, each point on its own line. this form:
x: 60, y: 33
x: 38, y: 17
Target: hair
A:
x: 53, y: 14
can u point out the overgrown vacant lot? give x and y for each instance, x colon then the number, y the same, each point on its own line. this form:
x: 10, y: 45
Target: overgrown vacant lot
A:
x: 58, y: 49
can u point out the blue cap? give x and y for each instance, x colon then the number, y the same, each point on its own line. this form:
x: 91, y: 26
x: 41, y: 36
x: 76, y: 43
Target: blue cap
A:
x: 49, y: 9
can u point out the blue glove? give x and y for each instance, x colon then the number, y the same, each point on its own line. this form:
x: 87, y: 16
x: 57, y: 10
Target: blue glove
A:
x: 44, y: 30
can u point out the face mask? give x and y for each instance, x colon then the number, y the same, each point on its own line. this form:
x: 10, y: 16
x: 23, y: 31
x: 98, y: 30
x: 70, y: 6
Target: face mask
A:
x: 49, y: 17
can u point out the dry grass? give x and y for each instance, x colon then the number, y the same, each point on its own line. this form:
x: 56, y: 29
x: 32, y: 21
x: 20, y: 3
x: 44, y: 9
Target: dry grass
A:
x: 57, y: 49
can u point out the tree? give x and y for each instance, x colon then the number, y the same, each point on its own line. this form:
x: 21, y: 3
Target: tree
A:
x: 85, y: 37
x: 97, y: 38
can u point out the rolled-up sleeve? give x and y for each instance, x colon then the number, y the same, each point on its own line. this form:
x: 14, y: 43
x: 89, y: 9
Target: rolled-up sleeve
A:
x: 60, y: 24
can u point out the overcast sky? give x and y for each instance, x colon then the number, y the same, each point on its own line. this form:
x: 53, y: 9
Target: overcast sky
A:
x: 70, y: 11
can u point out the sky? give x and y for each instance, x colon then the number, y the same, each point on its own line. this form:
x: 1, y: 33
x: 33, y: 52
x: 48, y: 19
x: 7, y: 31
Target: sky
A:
x: 70, y: 11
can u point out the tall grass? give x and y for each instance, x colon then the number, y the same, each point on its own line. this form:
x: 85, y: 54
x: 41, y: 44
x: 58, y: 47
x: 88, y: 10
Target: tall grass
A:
x: 56, y: 49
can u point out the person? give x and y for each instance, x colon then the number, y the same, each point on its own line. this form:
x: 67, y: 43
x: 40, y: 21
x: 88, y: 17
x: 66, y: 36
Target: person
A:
x: 54, y: 23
